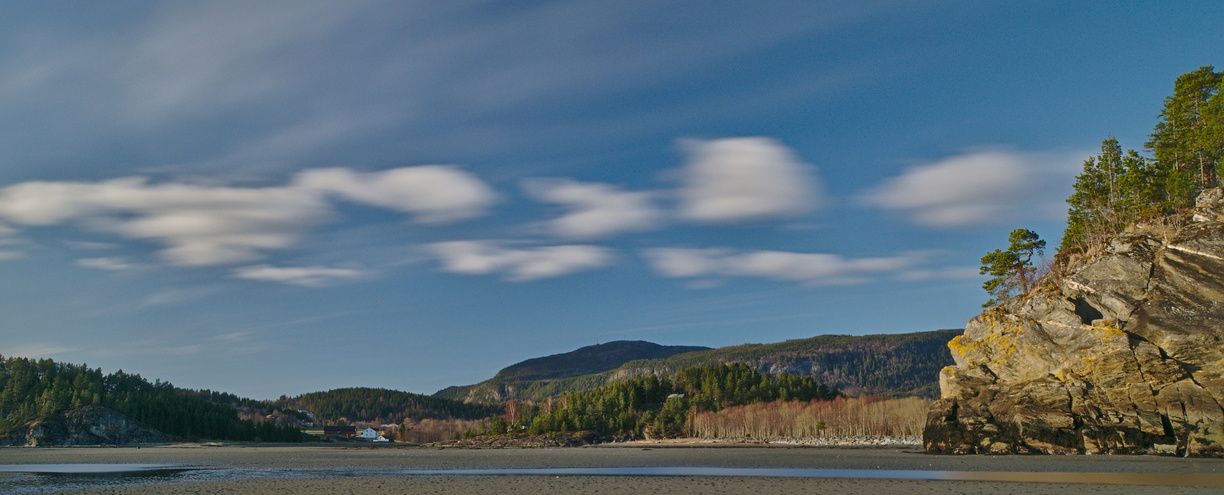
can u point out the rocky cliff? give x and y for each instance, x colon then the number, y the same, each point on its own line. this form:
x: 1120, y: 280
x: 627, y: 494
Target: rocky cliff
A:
x: 86, y: 426
x: 1121, y: 351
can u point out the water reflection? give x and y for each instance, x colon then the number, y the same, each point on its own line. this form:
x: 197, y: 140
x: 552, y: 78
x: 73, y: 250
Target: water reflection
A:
x: 43, y: 478
x: 37, y: 478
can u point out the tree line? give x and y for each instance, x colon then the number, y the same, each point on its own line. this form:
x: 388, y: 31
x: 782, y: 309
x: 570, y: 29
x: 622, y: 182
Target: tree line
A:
x: 658, y: 405
x: 379, y: 405
x: 40, y: 390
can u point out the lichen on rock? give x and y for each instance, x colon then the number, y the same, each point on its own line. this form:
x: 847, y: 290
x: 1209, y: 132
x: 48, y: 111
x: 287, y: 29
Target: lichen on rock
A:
x: 1119, y: 353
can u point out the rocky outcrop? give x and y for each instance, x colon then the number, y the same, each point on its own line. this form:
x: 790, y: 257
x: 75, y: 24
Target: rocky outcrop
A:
x: 1123, y: 352
x: 87, y: 426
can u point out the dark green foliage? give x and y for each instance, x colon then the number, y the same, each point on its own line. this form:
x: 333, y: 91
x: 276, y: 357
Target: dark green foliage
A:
x: 659, y: 406
x: 38, y: 390
x: 1117, y: 189
x: 1012, y: 270
x: 1113, y: 190
x: 383, y: 406
x: 892, y: 365
x: 1189, y: 139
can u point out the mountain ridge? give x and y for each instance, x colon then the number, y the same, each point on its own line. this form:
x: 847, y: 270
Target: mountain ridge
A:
x: 885, y: 364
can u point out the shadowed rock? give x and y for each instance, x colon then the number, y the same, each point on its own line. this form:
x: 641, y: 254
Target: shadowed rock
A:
x: 90, y: 426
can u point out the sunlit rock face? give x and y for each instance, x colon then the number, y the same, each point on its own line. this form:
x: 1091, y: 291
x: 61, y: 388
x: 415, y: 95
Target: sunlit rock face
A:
x: 1122, y: 353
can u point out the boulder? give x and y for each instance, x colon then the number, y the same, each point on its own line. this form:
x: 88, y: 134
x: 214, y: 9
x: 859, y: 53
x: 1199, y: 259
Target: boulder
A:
x: 1119, y: 353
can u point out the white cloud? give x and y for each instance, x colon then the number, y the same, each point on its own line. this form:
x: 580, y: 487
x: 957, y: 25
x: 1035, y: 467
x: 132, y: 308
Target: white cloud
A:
x: 433, y: 193
x: 202, y: 225
x: 518, y: 264
x: 594, y: 210
x: 920, y: 275
x: 745, y: 179
x: 198, y: 225
x: 809, y: 268
x: 110, y: 263
x: 307, y: 276
x: 976, y: 188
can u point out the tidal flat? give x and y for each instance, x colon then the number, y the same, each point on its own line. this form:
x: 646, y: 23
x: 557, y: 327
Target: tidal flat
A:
x: 604, y: 469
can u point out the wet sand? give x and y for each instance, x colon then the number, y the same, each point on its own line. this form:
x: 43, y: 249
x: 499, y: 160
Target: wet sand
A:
x: 373, y: 470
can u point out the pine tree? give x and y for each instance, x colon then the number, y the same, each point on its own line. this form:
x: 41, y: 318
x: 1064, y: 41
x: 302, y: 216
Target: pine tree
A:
x: 1187, y: 141
x: 1012, y: 269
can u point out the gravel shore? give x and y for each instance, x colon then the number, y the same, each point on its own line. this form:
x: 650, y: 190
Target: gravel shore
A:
x: 376, y: 470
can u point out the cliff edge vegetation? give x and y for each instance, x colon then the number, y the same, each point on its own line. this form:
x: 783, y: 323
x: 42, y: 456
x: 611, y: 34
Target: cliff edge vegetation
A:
x: 1119, y: 348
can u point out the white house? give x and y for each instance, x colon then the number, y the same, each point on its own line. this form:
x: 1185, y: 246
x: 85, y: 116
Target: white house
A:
x: 369, y: 433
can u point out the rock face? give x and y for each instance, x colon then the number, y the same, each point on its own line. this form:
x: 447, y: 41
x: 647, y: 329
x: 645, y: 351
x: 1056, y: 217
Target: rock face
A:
x: 1123, y: 353
x: 87, y: 426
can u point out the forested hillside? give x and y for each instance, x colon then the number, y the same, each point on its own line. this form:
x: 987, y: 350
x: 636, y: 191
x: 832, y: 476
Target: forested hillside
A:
x: 33, y: 391
x: 660, y: 406
x: 544, y: 373
x: 378, y: 405
x: 892, y: 364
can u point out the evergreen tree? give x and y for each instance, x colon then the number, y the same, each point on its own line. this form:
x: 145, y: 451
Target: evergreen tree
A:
x: 1113, y: 190
x: 1012, y: 269
x: 1188, y: 142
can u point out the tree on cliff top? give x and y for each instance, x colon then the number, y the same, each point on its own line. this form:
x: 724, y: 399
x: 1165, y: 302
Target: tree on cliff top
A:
x: 1189, y: 139
x: 1013, y: 269
x: 1117, y: 189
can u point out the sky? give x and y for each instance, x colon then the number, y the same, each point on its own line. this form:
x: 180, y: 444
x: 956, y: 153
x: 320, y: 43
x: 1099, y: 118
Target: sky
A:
x: 274, y: 198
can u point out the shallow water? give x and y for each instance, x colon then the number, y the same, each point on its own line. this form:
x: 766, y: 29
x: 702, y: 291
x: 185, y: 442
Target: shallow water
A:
x: 41, y: 478
x: 83, y: 468
x: 1142, y: 479
x: 45, y: 478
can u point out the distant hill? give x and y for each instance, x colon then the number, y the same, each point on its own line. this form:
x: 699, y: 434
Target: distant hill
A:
x: 890, y: 364
x: 581, y: 362
x: 590, y: 359
x: 350, y: 405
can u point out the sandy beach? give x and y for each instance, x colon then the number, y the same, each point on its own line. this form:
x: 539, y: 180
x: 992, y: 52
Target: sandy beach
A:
x: 377, y: 470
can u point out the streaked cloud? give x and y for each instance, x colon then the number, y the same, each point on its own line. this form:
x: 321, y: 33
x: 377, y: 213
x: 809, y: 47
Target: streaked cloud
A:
x: 178, y: 61
x: 109, y: 263
x: 808, y: 268
x: 594, y: 210
x: 518, y: 264
x: 197, y: 225
x: 307, y: 276
x: 35, y: 350
x: 745, y: 179
x: 980, y: 187
x: 203, y: 225
x: 179, y: 295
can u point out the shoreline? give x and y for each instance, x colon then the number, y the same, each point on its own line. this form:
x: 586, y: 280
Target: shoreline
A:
x: 324, y: 469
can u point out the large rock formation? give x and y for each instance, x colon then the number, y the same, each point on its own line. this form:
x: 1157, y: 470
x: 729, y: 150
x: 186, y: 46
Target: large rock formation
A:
x: 1119, y: 352
x: 86, y: 426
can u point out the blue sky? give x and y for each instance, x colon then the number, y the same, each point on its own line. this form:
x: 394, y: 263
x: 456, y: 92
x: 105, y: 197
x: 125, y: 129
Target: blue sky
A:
x: 275, y: 198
